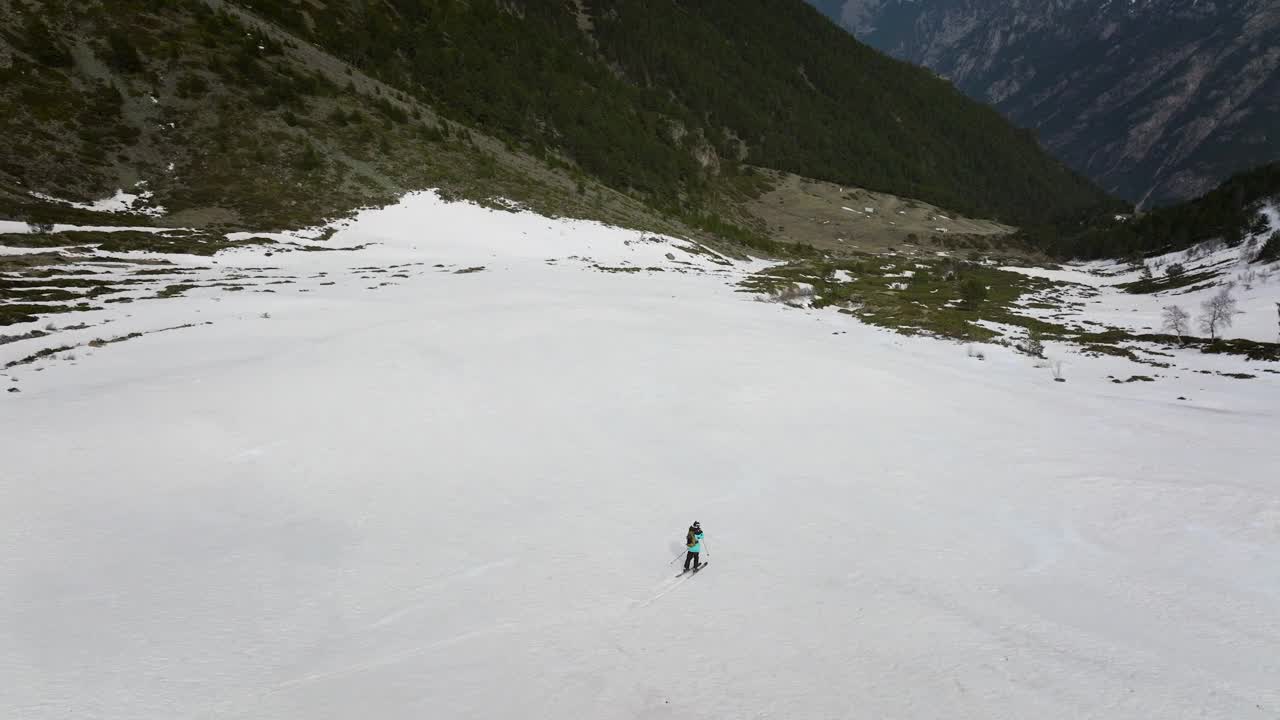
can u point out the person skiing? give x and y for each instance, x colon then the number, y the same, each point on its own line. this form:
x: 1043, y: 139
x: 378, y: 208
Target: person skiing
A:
x: 693, y: 541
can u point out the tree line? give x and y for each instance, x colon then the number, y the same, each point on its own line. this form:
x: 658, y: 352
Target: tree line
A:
x: 1229, y: 212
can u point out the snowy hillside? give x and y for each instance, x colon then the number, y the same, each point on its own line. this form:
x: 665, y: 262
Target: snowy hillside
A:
x: 1096, y: 292
x: 443, y: 473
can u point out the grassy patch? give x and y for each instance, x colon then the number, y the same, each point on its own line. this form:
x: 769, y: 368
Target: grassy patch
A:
x: 1251, y: 349
x: 175, y: 290
x: 34, y: 240
x: 1098, y: 350
x: 37, y: 355
x: 190, y: 244
x: 100, y: 342
x: 131, y: 241
x: 30, y: 335
x: 912, y: 295
x: 15, y: 314
x: 1167, y: 282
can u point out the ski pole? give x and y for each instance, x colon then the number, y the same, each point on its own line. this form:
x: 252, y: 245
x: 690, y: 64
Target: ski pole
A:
x: 677, y: 557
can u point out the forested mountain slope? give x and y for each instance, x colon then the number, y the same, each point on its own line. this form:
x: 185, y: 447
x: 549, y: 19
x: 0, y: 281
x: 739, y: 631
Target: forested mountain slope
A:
x: 651, y: 94
x: 281, y: 112
x: 1155, y: 100
x: 1229, y: 213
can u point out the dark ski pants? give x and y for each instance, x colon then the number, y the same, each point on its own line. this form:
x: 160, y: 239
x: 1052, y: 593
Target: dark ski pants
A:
x: 691, y: 557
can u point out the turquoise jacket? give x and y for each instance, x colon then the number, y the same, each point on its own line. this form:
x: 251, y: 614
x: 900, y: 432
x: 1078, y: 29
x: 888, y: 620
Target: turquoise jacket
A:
x: 697, y: 543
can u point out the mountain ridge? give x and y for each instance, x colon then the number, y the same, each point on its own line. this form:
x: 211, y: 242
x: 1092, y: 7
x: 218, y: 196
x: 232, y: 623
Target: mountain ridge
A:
x: 1157, y: 101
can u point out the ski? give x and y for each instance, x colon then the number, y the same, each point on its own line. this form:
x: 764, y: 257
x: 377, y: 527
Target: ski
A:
x: 694, y: 570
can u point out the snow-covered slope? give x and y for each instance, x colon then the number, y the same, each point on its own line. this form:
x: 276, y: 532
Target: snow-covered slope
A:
x: 1097, y: 294
x: 408, y: 491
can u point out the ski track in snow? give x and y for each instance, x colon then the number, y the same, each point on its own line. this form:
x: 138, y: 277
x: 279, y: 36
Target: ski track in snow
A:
x: 412, y: 492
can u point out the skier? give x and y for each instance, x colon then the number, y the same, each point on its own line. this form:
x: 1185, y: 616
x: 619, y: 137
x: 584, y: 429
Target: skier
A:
x: 693, y: 541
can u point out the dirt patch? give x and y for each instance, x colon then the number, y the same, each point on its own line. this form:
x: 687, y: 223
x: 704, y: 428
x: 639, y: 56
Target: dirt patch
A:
x: 840, y: 220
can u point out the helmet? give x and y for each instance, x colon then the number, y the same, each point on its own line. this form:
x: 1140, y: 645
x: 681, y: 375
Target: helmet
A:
x: 696, y: 525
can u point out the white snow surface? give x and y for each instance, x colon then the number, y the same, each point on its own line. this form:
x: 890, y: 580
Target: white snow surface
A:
x: 120, y: 202
x: 459, y: 496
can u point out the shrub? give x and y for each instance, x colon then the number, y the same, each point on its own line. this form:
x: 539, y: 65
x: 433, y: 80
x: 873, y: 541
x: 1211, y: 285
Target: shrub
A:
x: 310, y: 159
x: 1271, y: 250
x: 1260, y: 224
x: 1033, y: 346
x: 391, y: 111
x: 432, y: 133
x: 43, y: 46
x: 1175, y: 270
x: 337, y: 117
x: 1233, y: 237
x: 121, y: 54
x: 191, y: 85
x: 972, y: 292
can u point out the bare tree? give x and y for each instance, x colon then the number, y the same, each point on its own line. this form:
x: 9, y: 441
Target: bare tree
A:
x: 1217, y: 313
x: 1176, y: 321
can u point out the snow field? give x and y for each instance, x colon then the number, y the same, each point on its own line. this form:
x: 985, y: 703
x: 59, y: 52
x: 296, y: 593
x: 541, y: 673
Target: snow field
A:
x: 457, y: 496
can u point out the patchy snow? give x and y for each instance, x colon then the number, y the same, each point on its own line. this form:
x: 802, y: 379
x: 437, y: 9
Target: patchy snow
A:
x: 21, y: 228
x: 458, y: 495
x: 6, y: 250
x: 1256, y: 288
x: 843, y: 276
x: 120, y: 202
x: 14, y: 227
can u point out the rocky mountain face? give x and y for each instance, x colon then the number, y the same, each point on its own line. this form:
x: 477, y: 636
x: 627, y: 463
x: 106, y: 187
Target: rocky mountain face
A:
x: 1156, y: 100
